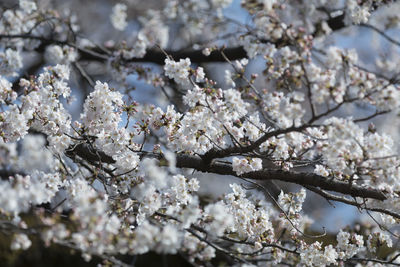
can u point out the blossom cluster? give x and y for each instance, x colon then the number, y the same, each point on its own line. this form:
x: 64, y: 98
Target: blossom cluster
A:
x: 121, y: 177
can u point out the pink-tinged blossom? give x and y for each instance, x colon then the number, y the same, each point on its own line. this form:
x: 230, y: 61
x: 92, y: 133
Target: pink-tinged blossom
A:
x: 321, y: 170
x: 6, y: 93
x: 243, y: 165
x: 349, y: 244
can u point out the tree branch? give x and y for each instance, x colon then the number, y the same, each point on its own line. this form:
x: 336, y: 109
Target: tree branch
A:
x: 197, y: 163
x: 158, y: 57
x: 301, y: 178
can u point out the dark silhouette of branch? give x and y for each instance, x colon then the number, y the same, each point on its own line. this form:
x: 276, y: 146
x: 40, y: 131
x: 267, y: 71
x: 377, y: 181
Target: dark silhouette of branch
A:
x: 347, y: 201
x: 301, y: 178
x: 197, y: 163
x: 6, y: 173
x: 157, y: 56
x: 213, y: 153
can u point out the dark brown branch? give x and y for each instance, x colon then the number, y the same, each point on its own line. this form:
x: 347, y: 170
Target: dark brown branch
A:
x: 6, y: 173
x: 347, y: 201
x: 301, y: 178
x: 213, y: 154
x: 197, y: 163
x: 196, y: 56
x: 86, y: 152
x: 336, y: 23
x: 377, y: 113
x: 158, y: 57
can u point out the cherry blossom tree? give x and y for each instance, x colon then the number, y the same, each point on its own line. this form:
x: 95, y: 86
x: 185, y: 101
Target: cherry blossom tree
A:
x: 267, y: 101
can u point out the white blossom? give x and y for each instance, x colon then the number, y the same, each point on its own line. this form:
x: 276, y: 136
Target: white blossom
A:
x: 118, y: 17
x: 243, y: 165
x: 179, y: 71
x: 21, y: 241
x: 10, y: 62
x: 27, y: 6
x: 125, y: 169
x: 321, y: 170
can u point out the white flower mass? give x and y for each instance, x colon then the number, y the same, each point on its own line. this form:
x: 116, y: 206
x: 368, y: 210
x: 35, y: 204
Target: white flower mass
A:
x: 115, y: 147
